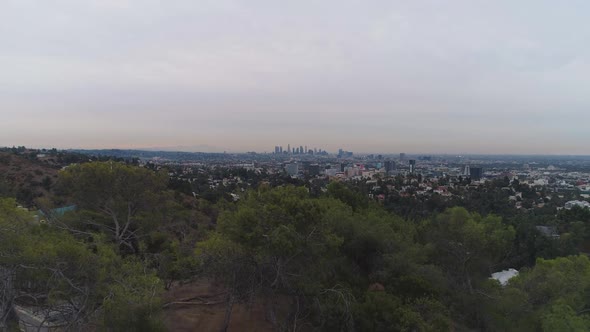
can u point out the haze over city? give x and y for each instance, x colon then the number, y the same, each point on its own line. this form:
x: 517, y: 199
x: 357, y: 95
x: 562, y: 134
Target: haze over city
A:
x: 381, y: 76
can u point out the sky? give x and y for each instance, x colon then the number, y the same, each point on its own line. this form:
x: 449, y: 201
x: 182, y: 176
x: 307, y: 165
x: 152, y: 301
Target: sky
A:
x: 420, y: 76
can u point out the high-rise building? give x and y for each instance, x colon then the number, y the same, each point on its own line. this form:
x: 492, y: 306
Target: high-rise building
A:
x: 475, y: 173
x: 412, y: 166
x: 288, y: 148
x: 277, y: 150
x: 389, y: 166
x: 466, y: 170
x: 314, y: 170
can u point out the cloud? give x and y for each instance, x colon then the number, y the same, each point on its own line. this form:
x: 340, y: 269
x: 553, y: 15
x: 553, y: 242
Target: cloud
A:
x: 472, y: 76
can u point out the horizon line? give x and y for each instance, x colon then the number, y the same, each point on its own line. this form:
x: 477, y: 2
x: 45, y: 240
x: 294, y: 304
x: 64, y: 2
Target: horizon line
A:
x: 163, y: 149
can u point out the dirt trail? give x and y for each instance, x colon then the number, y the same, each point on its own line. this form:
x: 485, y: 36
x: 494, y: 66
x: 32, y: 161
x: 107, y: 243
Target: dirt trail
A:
x: 210, y: 315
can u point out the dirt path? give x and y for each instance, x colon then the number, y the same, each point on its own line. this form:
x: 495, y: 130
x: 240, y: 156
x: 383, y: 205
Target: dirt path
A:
x: 209, y: 315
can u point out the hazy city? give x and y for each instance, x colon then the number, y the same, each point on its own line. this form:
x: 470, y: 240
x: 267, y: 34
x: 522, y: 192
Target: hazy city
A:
x: 294, y: 166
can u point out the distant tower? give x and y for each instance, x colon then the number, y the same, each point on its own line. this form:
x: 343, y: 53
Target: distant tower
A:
x: 466, y: 170
x: 389, y: 166
x: 475, y: 173
x: 288, y: 148
x: 412, y: 166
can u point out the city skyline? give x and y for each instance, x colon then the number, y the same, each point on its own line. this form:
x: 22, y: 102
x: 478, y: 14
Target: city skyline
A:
x: 424, y: 77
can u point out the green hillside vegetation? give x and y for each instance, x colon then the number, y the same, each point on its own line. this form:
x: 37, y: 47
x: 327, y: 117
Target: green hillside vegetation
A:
x: 309, y: 260
x: 25, y: 176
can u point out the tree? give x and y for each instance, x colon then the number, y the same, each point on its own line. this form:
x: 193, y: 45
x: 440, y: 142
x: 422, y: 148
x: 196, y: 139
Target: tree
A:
x: 131, y: 295
x: 467, y: 244
x: 468, y: 248
x: 13, y: 222
x: 352, y: 198
x: 381, y: 311
x: 552, y: 296
x: 115, y: 198
x: 71, y: 283
x: 277, y: 243
x: 316, y: 258
x: 561, y: 317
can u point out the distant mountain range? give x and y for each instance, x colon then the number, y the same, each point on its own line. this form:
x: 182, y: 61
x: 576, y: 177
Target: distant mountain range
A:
x: 180, y: 148
x: 169, y: 155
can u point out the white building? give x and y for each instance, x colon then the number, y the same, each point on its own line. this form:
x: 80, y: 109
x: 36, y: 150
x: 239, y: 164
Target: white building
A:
x: 583, y: 204
x: 504, y: 276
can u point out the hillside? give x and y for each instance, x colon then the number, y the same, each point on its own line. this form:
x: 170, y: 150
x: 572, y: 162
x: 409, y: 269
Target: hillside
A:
x: 30, y: 174
x: 26, y: 177
x: 201, y: 306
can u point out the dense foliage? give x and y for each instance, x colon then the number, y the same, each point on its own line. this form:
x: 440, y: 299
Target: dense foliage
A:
x: 319, y: 259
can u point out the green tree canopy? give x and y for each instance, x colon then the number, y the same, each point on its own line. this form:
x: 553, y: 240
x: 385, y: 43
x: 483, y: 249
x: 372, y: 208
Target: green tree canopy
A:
x: 551, y: 296
x: 72, y: 283
x: 120, y: 200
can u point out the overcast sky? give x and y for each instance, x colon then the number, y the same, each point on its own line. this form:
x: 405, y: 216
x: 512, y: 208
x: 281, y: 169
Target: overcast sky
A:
x: 375, y: 76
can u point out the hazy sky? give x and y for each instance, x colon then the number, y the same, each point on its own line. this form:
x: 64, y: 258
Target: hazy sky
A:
x: 375, y: 76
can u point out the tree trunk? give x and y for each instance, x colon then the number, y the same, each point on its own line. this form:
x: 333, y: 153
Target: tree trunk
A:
x: 271, y: 314
x: 228, y: 311
x: 6, y: 296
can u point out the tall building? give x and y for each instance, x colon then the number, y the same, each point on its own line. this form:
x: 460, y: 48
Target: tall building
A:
x: 277, y: 150
x: 314, y: 170
x: 389, y: 166
x: 288, y: 148
x: 412, y: 166
x: 475, y: 173
x: 466, y: 170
